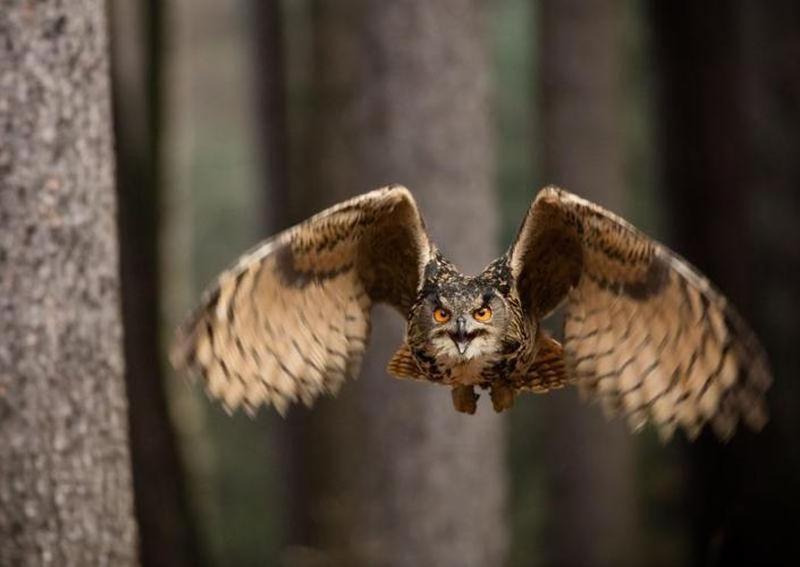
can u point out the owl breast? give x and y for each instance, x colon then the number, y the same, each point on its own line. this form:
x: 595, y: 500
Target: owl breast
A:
x: 467, y: 372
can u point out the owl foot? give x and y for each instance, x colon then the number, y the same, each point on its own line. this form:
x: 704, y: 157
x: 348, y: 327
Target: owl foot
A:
x: 502, y: 397
x: 464, y: 399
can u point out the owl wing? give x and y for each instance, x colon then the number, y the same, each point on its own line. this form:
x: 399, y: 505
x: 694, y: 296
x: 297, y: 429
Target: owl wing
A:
x: 290, y: 319
x: 547, y: 372
x: 645, y: 333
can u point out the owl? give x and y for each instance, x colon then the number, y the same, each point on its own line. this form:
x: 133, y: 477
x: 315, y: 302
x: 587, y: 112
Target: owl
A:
x: 645, y: 334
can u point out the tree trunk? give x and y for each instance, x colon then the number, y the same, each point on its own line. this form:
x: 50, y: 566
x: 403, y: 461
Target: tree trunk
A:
x: 66, y: 494
x: 729, y: 135
x: 392, y: 474
x: 273, y: 109
x: 592, y: 516
x: 166, y: 533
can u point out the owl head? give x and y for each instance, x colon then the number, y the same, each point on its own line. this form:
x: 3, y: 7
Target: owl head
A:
x: 459, y: 317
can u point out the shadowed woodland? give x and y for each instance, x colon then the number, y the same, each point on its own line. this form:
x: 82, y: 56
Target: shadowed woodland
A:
x: 144, y: 145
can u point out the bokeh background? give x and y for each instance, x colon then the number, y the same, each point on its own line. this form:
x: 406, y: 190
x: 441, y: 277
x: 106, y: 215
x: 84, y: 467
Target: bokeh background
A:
x: 236, y: 119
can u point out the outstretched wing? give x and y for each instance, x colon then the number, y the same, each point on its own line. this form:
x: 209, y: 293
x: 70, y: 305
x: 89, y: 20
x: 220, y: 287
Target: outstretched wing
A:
x: 644, y: 331
x: 290, y: 319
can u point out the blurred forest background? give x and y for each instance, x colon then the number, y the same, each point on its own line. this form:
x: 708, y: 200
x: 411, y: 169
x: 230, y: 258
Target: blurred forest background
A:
x: 233, y: 120
x: 236, y: 119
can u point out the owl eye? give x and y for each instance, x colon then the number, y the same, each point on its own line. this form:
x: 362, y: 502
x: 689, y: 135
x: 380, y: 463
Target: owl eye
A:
x: 441, y: 315
x: 483, y: 314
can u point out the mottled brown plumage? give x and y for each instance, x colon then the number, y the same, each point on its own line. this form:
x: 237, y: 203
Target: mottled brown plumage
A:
x: 645, y: 333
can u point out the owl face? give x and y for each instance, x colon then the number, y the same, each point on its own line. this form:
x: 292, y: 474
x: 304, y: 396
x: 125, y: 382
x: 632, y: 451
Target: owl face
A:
x: 461, y: 322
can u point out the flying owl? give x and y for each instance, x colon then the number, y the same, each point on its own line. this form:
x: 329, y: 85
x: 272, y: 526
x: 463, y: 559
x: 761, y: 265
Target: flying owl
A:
x: 644, y: 332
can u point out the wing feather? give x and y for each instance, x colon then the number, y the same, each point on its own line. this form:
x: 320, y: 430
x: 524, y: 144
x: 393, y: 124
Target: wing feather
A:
x: 645, y: 332
x: 290, y: 320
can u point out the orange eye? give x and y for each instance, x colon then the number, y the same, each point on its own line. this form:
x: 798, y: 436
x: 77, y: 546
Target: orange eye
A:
x: 483, y: 314
x: 441, y: 315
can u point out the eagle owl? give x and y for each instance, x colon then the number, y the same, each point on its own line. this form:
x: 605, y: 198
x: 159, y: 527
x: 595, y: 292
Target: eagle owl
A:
x: 644, y: 332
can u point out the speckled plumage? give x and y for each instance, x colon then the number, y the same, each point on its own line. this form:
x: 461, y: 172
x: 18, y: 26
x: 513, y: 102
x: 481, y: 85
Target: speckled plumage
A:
x: 645, y: 333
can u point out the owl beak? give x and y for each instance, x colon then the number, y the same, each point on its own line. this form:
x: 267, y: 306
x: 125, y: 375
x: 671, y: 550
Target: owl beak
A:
x: 460, y: 337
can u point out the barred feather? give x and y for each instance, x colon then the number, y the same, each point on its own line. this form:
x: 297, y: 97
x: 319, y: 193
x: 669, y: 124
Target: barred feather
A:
x: 290, y: 320
x: 645, y: 332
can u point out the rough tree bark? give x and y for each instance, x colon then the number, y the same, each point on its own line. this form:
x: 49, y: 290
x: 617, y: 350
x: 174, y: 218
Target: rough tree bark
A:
x: 392, y: 474
x: 166, y: 531
x: 728, y: 102
x: 65, y: 495
x: 591, y: 486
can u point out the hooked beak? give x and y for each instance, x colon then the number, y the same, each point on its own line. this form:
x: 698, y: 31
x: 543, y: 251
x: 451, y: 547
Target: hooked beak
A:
x: 460, y: 337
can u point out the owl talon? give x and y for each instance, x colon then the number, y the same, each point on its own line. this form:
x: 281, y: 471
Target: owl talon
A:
x: 502, y: 397
x: 465, y: 399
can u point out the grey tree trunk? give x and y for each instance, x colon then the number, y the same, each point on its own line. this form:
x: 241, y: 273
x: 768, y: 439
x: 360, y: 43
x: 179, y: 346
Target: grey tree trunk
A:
x: 591, y: 487
x: 393, y: 475
x: 65, y: 482
x: 166, y: 531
